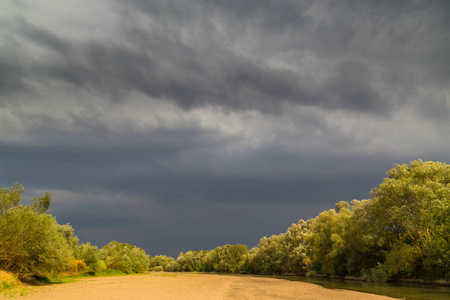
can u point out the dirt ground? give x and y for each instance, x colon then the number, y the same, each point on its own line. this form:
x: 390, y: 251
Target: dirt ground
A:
x: 183, y: 286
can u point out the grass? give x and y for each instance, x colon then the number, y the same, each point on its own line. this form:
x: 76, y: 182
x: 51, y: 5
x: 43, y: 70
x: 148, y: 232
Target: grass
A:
x: 10, y: 286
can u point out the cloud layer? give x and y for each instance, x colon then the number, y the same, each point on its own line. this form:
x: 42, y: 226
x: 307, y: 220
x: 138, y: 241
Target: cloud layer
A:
x: 210, y: 122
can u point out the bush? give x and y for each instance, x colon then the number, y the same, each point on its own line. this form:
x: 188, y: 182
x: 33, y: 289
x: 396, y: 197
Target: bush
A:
x: 158, y: 269
x: 310, y: 274
x: 376, y: 274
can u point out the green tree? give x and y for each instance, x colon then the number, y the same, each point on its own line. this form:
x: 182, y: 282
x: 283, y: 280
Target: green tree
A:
x: 161, y: 261
x: 68, y: 233
x: 410, y: 214
x: 31, y: 241
x: 192, y: 261
x: 228, y: 258
x: 10, y: 197
x: 42, y: 204
x: 125, y: 257
x: 296, y: 248
x: 268, y: 257
x: 90, y: 254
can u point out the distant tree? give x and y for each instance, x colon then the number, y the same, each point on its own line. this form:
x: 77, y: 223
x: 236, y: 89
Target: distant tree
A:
x: 161, y: 261
x: 295, y: 245
x: 191, y: 261
x: 402, y: 231
x: 328, y: 246
x: 125, y: 257
x: 228, y: 258
x: 269, y: 257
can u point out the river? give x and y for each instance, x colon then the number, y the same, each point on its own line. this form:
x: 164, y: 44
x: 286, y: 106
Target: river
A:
x: 397, y: 290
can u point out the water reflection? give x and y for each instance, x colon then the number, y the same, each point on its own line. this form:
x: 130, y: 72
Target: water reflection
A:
x: 396, y: 290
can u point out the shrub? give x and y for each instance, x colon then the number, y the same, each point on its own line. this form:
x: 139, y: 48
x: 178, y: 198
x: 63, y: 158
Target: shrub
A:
x: 311, y: 274
x: 376, y: 274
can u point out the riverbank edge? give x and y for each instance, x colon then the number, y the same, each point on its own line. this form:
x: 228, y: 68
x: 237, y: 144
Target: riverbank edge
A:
x: 430, y: 282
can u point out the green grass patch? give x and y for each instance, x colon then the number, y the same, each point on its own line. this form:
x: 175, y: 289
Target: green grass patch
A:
x: 10, y: 286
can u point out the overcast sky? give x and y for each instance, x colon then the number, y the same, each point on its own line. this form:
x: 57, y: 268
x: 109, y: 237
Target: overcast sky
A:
x: 186, y: 125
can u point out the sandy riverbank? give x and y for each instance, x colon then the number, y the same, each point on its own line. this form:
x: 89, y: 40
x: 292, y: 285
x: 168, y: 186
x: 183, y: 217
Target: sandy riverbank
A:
x: 184, y: 286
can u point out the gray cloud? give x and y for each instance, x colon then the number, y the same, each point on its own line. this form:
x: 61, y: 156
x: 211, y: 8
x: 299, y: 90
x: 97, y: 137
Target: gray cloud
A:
x: 212, y: 122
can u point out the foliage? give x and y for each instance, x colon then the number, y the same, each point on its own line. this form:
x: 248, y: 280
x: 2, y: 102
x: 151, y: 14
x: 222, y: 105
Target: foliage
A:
x: 161, y: 262
x: 191, y: 261
x: 68, y: 233
x: 410, y: 217
x: 77, y: 266
x: 158, y: 269
x: 90, y: 254
x: 376, y: 274
x: 402, y: 231
x: 10, y: 197
x: 125, y: 257
x: 31, y: 242
x: 224, y: 259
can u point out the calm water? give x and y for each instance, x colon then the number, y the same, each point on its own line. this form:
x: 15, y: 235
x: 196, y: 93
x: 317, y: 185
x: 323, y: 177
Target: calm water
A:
x: 396, y: 290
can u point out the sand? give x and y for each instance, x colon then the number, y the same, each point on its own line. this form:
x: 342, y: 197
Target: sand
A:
x: 184, y: 286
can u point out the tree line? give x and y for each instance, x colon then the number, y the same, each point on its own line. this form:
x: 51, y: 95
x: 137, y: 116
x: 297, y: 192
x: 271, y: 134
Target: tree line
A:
x: 33, y: 244
x: 402, y: 231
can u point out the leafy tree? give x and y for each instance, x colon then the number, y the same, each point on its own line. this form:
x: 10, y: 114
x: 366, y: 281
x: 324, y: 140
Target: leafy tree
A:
x: 295, y: 245
x: 172, y: 266
x: 42, y: 204
x: 192, y: 261
x: 125, y: 257
x: 268, y: 257
x: 10, y: 197
x: 228, y: 258
x: 224, y: 259
x: 328, y: 245
x: 68, y: 233
x: 90, y: 254
x: 31, y: 241
x: 161, y: 261
x: 402, y: 231
x: 410, y: 213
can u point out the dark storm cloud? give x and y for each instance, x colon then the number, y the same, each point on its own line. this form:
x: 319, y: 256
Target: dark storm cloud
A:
x: 192, y: 74
x: 210, y: 122
x: 178, y: 73
x: 351, y: 89
x: 42, y: 36
x: 11, y: 78
x: 157, y: 171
